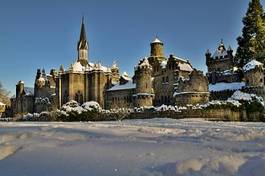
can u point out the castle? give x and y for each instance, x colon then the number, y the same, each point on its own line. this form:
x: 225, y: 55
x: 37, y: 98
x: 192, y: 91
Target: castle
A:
x: 157, y: 80
x: 226, y: 76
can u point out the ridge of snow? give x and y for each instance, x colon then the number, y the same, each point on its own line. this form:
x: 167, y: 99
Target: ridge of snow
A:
x: 220, y: 53
x: 128, y: 85
x: 238, y: 95
x: 226, y: 86
x: 185, y: 67
x: 251, y: 65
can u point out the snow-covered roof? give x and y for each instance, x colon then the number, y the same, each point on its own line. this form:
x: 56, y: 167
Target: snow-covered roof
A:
x: 156, y: 40
x: 185, y: 67
x: 144, y: 63
x: 126, y: 76
x: 251, y: 65
x: 77, y: 67
x: 163, y: 64
x: 226, y: 86
x: 183, y: 64
x: 179, y: 59
x: 220, y: 53
x: 128, y: 85
x: 29, y: 90
x: 185, y: 93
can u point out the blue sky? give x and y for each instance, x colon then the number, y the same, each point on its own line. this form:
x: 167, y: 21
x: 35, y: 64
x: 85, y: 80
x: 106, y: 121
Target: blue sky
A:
x: 43, y: 34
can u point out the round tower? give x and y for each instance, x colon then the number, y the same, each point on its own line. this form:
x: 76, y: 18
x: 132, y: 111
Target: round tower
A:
x: 144, y: 87
x: 157, y: 48
x: 19, y: 88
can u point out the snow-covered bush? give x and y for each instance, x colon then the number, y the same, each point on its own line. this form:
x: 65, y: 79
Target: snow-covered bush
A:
x: 30, y: 117
x: 241, y: 96
x: 72, y: 111
x: 91, y: 106
x: 253, y: 105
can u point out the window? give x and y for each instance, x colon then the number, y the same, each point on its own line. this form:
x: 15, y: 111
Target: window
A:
x: 163, y: 79
x: 167, y: 79
x: 65, y: 97
x: 79, y: 97
x: 261, y: 80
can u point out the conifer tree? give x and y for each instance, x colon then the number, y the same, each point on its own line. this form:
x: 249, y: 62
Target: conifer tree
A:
x: 251, y: 45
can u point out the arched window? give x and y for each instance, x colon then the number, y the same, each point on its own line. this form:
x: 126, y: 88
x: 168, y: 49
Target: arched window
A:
x: 79, y: 97
x: 65, y: 97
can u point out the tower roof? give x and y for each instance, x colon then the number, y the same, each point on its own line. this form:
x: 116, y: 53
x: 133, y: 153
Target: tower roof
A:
x: 221, y: 45
x: 82, y: 43
x: 156, y: 40
x: 83, y: 32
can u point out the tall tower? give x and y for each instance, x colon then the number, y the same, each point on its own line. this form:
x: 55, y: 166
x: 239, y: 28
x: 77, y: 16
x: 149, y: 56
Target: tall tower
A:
x: 82, y: 46
x: 157, y: 48
x: 144, y: 88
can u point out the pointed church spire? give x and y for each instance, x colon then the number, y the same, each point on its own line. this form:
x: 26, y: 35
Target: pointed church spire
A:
x: 82, y: 43
x: 83, y: 31
x: 82, y: 46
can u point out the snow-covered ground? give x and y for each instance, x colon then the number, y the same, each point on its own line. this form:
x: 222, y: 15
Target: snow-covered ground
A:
x: 136, y: 147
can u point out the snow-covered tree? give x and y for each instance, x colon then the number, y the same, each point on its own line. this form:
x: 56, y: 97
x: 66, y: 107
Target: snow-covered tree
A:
x: 251, y: 45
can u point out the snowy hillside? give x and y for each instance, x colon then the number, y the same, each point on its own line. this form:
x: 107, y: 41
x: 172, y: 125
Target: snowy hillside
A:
x: 138, y: 147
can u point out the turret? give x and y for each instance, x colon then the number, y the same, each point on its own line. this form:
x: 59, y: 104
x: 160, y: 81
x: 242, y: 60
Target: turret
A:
x: 115, y: 73
x: 230, y: 52
x: 19, y: 88
x: 82, y: 46
x: 157, y: 48
x: 38, y: 75
x: 61, y: 69
x: 144, y: 88
x: 208, y: 55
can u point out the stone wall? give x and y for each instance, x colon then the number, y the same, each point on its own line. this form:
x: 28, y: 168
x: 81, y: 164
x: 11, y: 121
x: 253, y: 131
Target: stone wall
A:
x: 119, y: 99
x: 184, y: 99
x: 223, y: 114
x: 216, y: 77
x: 221, y: 95
x: 219, y: 64
x: 254, y: 77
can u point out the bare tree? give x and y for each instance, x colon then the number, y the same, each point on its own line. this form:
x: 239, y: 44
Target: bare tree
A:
x: 120, y: 111
x: 4, y: 95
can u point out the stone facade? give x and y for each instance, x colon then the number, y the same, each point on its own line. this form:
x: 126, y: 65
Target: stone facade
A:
x: 221, y: 65
x: 158, y: 80
x: 24, y: 100
x: 193, y: 90
x: 254, y: 77
x: 2, y: 108
x: 225, y: 76
x: 155, y: 82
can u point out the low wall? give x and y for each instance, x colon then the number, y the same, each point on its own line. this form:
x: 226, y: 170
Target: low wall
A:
x: 225, y: 114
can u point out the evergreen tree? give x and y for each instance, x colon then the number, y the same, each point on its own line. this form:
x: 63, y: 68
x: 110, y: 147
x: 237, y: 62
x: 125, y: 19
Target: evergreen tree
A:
x: 251, y: 45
